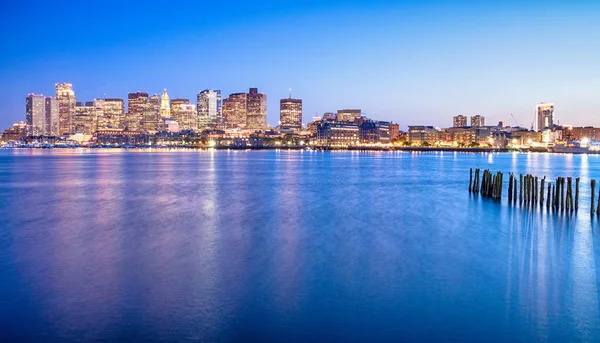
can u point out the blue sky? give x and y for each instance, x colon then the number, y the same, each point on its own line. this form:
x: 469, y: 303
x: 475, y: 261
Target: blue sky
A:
x: 406, y: 61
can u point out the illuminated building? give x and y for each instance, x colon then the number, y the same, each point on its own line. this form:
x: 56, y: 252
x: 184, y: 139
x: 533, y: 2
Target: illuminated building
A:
x: 329, y: 116
x: 66, y: 107
x: 235, y: 110
x: 176, y: 113
x: 165, y: 107
x: 85, y: 120
x: 51, y: 112
x: 371, y: 132
x: 348, y: 115
x: 114, y: 112
x: 459, y: 121
x: 256, y: 117
x: 137, y: 105
x: 394, y: 131
x: 187, y: 117
x: 151, y: 117
x: 423, y: 134
x: 209, y: 108
x: 35, y: 114
x: 337, y: 134
x: 17, y: 132
x: 544, y: 116
x: 477, y: 120
x: 290, y: 115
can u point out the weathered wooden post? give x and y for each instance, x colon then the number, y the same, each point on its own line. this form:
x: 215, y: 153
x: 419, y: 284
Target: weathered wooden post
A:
x: 510, y: 188
x: 535, y: 193
x: 569, y: 194
x: 562, y: 193
x: 542, y: 191
x: 592, y: 208
x: 470, y: 178
x: 521, y: 188
x: 576, y: 194
x: 515, y: 190
x: 548, y: 197
x: 554, y: 197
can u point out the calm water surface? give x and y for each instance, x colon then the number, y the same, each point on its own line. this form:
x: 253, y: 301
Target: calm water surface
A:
x: 289, y: 247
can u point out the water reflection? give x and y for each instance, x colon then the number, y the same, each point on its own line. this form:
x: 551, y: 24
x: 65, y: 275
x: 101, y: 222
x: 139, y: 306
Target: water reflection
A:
x: 281, y: 245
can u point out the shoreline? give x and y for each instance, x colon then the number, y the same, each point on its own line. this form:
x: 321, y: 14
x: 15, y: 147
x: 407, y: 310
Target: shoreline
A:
x: 305, y: 148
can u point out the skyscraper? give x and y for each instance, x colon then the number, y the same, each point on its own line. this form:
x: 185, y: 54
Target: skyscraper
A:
x: 35, y: 114
x: 66, y: 107
x: 137, y: 105
x: 544, y: 116
x: 256, y: 118
x: 477, y: 120
x: 209, y: 108
x: 235, y: 110
x: 176, y: 113
x: 290, y: 115
x: 459, y: 121
x: 165, y: 106
x: 51, y: 109
x: 85, y: 119
x: 187, y: 117
x: 152, y: 114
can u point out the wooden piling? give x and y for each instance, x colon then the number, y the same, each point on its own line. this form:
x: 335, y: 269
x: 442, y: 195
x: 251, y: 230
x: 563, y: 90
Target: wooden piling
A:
x: 514, y: 190
x: 548, y: 197
x: 592, y: 208
x: 562, y: 193
x: 470, y: 178
x: 520, y: 188
x: 576, y: 194
x: 543, y: 182
x: 569, y: 205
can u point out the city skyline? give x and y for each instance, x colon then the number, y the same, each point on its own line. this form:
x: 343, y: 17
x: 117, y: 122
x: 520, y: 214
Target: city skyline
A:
x: 393, y: 60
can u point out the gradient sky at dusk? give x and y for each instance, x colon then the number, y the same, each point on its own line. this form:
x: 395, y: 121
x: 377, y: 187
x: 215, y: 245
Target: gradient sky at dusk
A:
x: 406, y: 61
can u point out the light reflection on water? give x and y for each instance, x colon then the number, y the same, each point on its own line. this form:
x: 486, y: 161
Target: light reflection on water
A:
x: 289, y: 245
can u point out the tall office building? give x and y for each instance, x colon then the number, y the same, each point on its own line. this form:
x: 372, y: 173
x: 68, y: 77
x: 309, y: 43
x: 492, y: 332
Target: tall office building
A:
x: 137, y: 105
x: 235, y: 110
x: 256, y: 118
x: 114, y: 112
x: 477, y: 120
x: 176, y: 113
x: 209, y: 108
x: 348, y: 115
x: 459, y: 121
x: 165, y: 106
x: 187, y: 117
x: 290, y: 115
x: 35, y: 114
x: 51, y: 109
x: 152, y: 114
x: 544, y: 116
x: 85, y: 119
x: 66, y: 107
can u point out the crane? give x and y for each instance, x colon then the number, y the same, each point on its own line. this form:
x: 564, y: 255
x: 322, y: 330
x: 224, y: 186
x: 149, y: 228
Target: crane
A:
x: 515, y: 119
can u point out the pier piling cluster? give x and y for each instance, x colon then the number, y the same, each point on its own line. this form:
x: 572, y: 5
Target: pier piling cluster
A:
x: 532, y: 190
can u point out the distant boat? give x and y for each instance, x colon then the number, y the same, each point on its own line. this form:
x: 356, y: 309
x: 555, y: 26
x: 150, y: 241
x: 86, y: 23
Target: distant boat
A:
x: 570, y: 149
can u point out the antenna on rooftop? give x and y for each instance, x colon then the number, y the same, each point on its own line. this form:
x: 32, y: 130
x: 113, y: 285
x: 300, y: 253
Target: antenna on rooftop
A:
x: 290, y: 93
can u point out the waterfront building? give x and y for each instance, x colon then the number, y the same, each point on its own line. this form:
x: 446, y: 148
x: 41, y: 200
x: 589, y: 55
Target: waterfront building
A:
x: 17, y: 132
x: 373, y: 132
x: 256, y: 115
x: 165, y: 106
x: 459, y: 121
x: 120, y: 137
x: 66, y: 107
x: 544, y: 116
x: 348, y: 115
x: 583, y: 133
x: 394, y: 131
x: 477, y: 120
x: 467, y: 135
x: 85, y: 118
x: 137, y: 106
x: 35, y: 114
x: 168, y: 125
x: 151, y: 116
x: 420, y: 134
x: 235, y: 110
x: 333, y: 134
x: 51, y: 114
x: 290, y: 115
x: 209, y: 108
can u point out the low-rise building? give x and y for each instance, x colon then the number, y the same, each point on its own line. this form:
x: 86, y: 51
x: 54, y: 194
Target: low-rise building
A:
x: 337, y: 134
